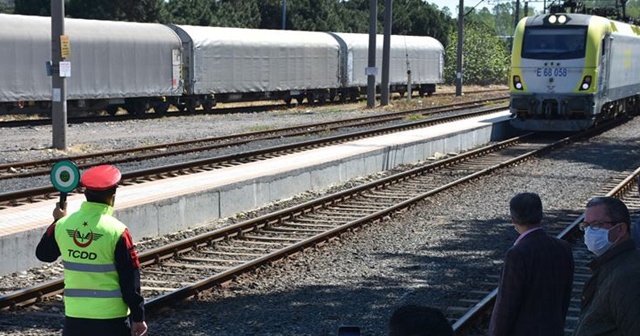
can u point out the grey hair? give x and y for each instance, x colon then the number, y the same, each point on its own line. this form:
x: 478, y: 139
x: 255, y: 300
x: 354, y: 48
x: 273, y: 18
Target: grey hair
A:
x: 615, y: 209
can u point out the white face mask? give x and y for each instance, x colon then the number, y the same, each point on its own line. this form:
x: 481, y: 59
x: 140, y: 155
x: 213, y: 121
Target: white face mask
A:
x: 597, y: 240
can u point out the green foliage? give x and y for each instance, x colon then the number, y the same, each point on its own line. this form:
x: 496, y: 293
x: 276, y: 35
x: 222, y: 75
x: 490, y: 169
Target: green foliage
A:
x: 236, y: 13
x: 140, y: 10
x: 354, y: 15
x: 5, y: 9
x: 271, y: 14
x: 416, y: 17
x: 313, y: 15
x: 190, y: 12
x: 504, y: 19
x: 633, y: 9
x: 33, y: 7
x: 91, y: 9
x: 119, y: 10
x: 486, y: 58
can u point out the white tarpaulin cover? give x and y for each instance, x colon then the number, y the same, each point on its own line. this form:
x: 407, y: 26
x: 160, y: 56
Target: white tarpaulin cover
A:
x: 423, y: 55
x: 250, y: 60
x: 108, y: 59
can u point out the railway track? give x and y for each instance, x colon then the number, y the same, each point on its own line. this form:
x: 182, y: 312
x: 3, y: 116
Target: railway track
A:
x: 185, y: 268
x: 228, y: 109
x: 475, y: 307
x: 376, y: 125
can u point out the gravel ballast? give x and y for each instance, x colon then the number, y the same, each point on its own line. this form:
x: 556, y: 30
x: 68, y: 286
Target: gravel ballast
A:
x: 431, y: 254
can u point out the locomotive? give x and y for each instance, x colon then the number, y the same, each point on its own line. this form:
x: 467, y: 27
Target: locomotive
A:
x: 570, y: 71
x: 143, y: 67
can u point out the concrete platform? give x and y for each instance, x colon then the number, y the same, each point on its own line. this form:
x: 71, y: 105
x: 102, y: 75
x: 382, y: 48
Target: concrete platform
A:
x: 161, y: 207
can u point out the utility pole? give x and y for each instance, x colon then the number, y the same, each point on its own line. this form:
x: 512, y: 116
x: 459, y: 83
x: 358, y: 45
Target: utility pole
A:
x: 59, y: 94
x: 371, y: 65
x: 517, y: 13
x: 459, y: 54
x: 284, y: 14
x: 386, y: 51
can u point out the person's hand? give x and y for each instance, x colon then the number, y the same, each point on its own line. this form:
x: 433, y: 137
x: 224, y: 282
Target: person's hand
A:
x: 138, y: 328
x: 59, y: 212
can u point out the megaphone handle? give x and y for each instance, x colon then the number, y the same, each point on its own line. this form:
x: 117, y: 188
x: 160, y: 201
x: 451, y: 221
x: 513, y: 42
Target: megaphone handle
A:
x: 63, y: 200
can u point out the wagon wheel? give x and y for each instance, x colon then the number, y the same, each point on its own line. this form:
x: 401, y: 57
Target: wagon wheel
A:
x: 322, y: 97
x: 300, y: 99
x: 191, y: 105
x: 161, y: 108
x: 112, y: 110
x: 353, y: 95
x: 287, y: 100
x: 332, y: 95
x: 311, y: 97
x: 140, y: 107
x: 208, y: 104
x: 134, y: 107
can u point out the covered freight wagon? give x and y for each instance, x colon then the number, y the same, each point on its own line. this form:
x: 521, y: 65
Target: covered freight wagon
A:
x: 113, y: 64
x: 237, y: 64
x: 422, y: 55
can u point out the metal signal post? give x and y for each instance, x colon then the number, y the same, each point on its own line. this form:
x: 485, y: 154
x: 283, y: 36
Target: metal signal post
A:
x: 59, y: 93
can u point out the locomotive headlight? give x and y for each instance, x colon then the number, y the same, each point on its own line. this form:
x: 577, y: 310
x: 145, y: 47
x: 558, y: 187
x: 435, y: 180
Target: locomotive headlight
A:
x: 562, y: 19
x: 586, y: 83
x: 552, y: 19
x: 517, y: 83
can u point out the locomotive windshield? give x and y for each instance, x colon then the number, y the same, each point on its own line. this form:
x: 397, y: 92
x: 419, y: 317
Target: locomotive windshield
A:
x: 554, y: 43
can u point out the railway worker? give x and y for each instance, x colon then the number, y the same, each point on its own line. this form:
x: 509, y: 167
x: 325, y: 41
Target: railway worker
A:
x: 537, y: 276
x: 418, y: 320
x: 101, y: 267
x: 611, y: 297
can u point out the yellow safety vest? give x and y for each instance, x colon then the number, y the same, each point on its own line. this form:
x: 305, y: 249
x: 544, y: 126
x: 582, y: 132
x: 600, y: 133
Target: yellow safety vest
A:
x: 87, y: 241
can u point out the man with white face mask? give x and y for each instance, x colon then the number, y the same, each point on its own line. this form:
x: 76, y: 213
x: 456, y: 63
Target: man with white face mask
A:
x: 611, y: 297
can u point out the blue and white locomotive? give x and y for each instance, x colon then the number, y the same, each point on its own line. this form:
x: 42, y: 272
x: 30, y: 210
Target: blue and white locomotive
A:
x: 570, y: 71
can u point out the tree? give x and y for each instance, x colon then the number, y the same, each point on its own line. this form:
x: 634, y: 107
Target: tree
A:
x: 190, y: 12
x: 139, y: 10
x: 314, y: 15
x: 504, y: 20
x: 33, y: 7
x: 92, y: 9
x: 416, y: 17
x: 486, y: 58
x: 118, y: 10
x: 633, y: 9
x: 354, y: 15
x: 236, y: 13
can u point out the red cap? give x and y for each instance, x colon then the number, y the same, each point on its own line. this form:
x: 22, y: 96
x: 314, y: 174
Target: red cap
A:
x: 101, y: 177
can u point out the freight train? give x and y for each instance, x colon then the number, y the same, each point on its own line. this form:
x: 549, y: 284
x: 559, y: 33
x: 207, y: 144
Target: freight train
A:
x: 144, y: 67
x: 570, y: 71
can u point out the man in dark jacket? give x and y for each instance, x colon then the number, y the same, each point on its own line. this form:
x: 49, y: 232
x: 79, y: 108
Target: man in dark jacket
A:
x: 611, y: 297
x: 535, y: 287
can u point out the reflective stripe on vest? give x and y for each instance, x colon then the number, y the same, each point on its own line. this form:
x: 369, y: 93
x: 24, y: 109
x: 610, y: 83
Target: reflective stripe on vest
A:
x: 72, y: 266
x: 92, y: 293
x: 87, y: 240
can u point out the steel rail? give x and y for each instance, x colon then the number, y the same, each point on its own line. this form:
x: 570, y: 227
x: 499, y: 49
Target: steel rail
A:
x: 481, y: 310
x: 16, y: 198
x: 42, y: 167
x: 176, y: 249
